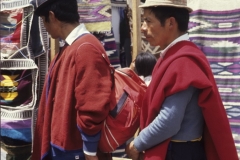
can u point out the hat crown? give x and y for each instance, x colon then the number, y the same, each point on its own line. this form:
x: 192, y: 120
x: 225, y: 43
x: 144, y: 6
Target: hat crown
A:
x: 171, y: 3
x: 168, y: 2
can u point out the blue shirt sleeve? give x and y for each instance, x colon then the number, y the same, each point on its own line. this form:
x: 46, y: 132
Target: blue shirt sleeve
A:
x: 168, y: 121
x: 90, y: 143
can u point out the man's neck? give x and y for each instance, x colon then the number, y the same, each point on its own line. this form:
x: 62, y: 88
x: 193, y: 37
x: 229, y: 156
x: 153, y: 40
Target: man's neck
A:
x: 66, y: 29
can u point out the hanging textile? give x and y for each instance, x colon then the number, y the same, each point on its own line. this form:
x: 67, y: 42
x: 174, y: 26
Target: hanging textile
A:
x: 108, y: 41
x: 95, y: 14
x: 14, y: 30
x: 111, y: 49
x: 18, y: 78
x: 214, y: 27
x: 18, y: 87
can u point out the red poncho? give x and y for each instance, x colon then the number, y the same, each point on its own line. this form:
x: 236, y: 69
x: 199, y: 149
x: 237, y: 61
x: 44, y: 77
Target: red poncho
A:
x: 79, y: 95
x: 185, y: 65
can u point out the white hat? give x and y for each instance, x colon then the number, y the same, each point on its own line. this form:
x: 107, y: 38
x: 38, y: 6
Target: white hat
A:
x: 169, y: 3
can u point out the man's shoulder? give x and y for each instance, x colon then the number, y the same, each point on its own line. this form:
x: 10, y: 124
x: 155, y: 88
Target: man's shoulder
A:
x: 87, y: 37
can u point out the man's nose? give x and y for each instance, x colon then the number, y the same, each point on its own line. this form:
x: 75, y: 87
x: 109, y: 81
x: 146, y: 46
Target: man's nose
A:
x: 143, y: 27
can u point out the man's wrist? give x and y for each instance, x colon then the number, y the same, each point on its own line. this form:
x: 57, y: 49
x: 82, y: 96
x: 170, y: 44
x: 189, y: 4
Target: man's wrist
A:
x: 134, y: 148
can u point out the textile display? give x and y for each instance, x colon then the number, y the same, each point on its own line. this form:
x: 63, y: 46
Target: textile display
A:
x: 18, y: 78
x: 18, y: 98
x: 14, y: 29
x: 95, y: 14
x: 10, y: 31
x: 40, y: 48
x: 214, y: 27
x: 111, y: 49
x: 108, y: 41
x: 16, y: 87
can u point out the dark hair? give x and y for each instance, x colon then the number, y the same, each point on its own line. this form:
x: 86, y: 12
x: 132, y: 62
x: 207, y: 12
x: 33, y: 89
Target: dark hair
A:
x: 64, y: 10
x: 181, y: 15
x: 144, y: 63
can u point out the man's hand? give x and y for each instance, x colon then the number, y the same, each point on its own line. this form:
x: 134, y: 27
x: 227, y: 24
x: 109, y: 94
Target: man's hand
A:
x: 132, y: 152
x: 87, y: 157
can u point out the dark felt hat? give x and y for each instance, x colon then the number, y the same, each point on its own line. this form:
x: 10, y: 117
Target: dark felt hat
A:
x: 42, y: 5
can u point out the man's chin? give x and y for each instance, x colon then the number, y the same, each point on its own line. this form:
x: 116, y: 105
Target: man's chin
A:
x: 153, y: 44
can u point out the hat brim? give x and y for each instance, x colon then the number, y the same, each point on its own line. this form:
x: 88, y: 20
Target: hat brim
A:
x: 43, y: 5
x: 170, y: 5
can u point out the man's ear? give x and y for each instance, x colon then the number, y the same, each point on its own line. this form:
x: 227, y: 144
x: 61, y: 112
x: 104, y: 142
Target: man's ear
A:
x: 171, y: 22
x: 52, y: 17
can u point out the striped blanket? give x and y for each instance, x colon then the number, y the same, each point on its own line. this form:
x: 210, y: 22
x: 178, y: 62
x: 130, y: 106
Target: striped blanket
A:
x: 214, y: 26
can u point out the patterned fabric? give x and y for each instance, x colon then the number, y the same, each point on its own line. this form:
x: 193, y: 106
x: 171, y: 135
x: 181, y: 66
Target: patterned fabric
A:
x: 17, y: 129
x: 15, y: 23
x: 217, y: 34
x: 15, y: 87
x: 18, y: 81
x: 108, y: 41
x: 10, y: 31
x: 111, y: 49
x: 19, y: 76
x: 13, y: 4
x: 95, y: 14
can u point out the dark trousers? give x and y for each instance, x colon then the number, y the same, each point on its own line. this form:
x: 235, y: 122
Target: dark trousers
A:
x: 186, y: 151
x: 57, y: 154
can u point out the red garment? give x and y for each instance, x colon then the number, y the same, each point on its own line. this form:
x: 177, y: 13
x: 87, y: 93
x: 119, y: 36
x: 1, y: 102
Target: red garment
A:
x: 185, y: 65
x: 79, y: 95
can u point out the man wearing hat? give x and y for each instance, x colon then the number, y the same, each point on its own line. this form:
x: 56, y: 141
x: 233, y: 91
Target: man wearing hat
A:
x: 182, y: 116
x: 76, y: 94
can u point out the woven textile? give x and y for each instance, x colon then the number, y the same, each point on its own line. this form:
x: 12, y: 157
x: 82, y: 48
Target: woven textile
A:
x: 95, y: 14
x: 19, y: 76
x: 18, y: 82
x: 10, y: 31
x: 111, y: 49
x: 15, y: 25
x: 108, y: 41
x: 16, y: 87
x: 216, y: 31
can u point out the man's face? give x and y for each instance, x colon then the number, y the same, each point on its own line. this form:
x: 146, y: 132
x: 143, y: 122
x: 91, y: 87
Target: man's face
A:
x: 51, y: 27
x: 155, y: 33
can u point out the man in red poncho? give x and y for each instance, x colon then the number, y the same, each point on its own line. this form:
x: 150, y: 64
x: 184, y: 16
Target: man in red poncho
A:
x: 76, y: 95
x: 182, y: 116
